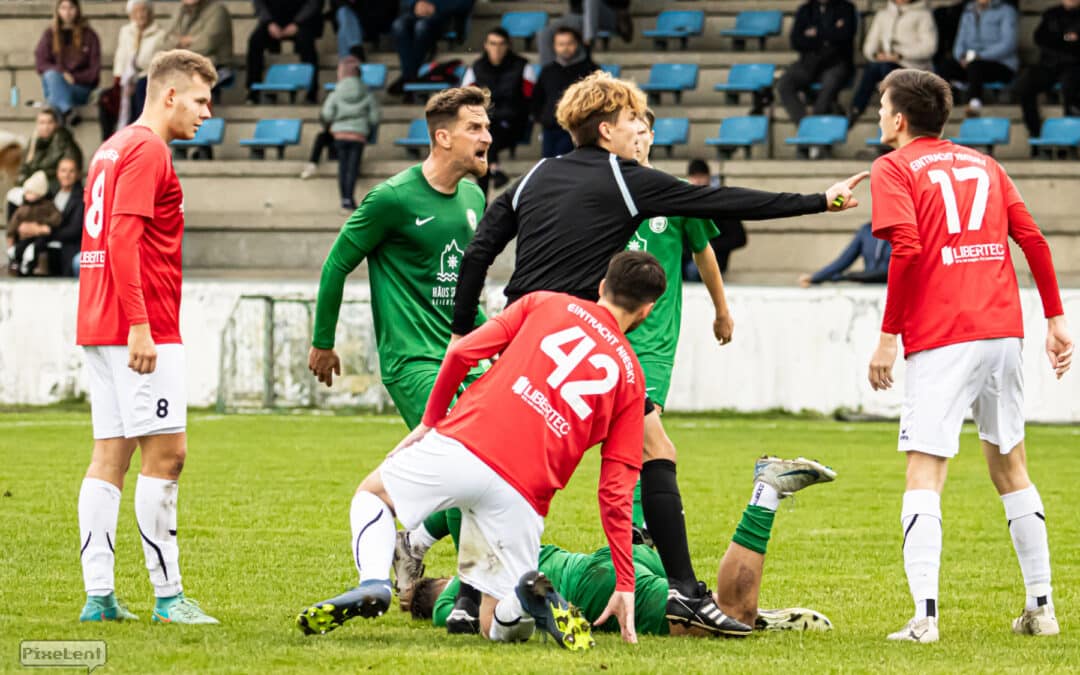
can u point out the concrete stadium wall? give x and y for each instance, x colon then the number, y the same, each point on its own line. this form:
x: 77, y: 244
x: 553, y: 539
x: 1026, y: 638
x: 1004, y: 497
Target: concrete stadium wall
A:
x: 793, y: 348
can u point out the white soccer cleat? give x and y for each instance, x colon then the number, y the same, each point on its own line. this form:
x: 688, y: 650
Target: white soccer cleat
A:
x: 917, y: 630
x: 1038, y: 621
x: 792, y: 618
x: 788, y: 476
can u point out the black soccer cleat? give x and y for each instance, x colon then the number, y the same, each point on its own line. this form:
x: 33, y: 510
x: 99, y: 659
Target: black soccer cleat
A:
x: 464, y: 619
x: 701, y: 612
x: 552, y: 613
x: 369, y: 600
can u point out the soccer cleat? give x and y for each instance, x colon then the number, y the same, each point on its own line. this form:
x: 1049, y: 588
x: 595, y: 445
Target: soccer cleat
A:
x: 917, y: 630
x: 1038, y: 621
x: 641, y: 536
x: 701, y: 612
x: 788, y: 476
x: 552, y: 613
x: 105, y: 608
x: 369, y: 600
x: 179, y: 609
x: 464, y: 619
x: 792, y: 618
x: 408, y: 568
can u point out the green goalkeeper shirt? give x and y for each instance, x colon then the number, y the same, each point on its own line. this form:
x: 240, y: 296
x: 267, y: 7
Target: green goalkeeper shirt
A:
x: 665, y: 238
x: 413, y: 237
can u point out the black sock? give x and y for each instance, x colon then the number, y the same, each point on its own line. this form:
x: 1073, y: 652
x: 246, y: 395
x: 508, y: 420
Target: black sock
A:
x: 467, y: 591
x: 662, y: 506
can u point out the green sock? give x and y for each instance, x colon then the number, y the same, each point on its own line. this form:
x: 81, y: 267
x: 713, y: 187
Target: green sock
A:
x: 436, y: 525
x: 453, y: 523
x: 638, y: 516
x: 754, y: 528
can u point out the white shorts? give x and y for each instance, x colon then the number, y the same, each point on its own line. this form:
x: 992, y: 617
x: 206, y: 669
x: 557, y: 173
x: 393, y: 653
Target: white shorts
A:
x: 125, y: 404
x: 500, y: 530
x: 985, y: 376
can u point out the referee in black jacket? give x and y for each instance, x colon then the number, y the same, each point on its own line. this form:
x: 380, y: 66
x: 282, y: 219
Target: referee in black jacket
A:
x: 570, y: 215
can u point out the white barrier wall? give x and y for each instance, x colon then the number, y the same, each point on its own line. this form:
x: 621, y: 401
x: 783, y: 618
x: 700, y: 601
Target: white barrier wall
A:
x: 793, y: 348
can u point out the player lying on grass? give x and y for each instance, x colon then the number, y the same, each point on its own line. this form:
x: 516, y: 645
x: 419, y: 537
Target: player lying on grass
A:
x: 566, y: 380
x: 587, y: 581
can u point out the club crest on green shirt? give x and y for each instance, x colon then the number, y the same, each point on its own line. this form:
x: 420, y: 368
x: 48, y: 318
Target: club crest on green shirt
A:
x: 470, y: 216
x: 658, y: 224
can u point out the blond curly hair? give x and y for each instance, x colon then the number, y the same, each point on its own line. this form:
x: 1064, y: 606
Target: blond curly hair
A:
x: 594, y: 99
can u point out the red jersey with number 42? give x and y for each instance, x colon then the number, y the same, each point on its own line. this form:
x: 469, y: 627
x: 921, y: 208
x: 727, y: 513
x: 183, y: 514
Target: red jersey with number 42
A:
x: 959, y: 202
x: 130, y: 265
x: 567, y: 380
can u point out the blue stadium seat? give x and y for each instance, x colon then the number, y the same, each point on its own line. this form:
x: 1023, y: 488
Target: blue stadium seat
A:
x: 524, y: 25
x: 273, y: 134
x: 740, y: 132
x: 1059, y: 133
x: 747, y: 77
x: 211, y: 132
x: 286, y: 78
x: 822, y: 131
x: 416, y: 139
x: 373, y: 75
x: 671, y: 131
x: 983, y: 132
x: 673, y: 77
x: 432, y: 87
x: 673, y: 24
x: 613, y: 68
x: 754, y: 24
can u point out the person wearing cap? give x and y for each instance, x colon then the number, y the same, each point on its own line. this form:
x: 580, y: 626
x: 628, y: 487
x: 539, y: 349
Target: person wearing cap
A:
x: 29, y: 228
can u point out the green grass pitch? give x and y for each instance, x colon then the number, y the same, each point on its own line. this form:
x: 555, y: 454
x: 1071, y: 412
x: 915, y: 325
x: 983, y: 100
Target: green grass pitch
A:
x: 264, y: 531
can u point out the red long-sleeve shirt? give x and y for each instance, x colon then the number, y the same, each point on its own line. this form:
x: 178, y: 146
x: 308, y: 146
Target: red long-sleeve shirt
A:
x: 566, y: 380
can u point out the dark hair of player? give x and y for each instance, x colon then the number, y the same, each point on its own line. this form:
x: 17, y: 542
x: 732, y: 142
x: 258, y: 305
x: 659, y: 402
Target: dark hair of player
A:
x: 697, y: 167
x: 634, y: 278
x: 650, y: 117
x: 442, y: 109
x: 567, y: 30
x: 923, y: 98
x: 165, y: 67
x: 424, y: 594
x: 501, y: 32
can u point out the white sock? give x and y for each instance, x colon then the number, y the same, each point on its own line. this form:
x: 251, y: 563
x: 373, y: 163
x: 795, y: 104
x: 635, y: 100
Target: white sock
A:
x: 155, y: 513
x: 511, y: 623
x: 921, y: 520
x: 99, y: 506
x: 1027, y: 525
x: 420, y: 540
x: 765, y: 496
x: 373, y: 536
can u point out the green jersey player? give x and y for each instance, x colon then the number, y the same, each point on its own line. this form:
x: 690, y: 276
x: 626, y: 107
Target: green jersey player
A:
x: 412, y: 229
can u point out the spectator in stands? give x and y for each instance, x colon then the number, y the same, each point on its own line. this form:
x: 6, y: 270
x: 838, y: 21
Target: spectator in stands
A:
x: 49, y: 144
x: 204, y: 27
x: 732, y: 233
x: 30, y: 227
x: 824, y: 37
x: 1058, y: 38
x: 587, y: 17
x: 571, y: 64
x: 278, y: 20
x: 352, y: 113
x: 420, y: 26
x: 985, y: 49
x: 874, y: 252
x: 510, y: 79
x: 138, y: 42
x: 357, y: 20
x: 902, y: 35
x: 68, y: 59
x: 66, y: 238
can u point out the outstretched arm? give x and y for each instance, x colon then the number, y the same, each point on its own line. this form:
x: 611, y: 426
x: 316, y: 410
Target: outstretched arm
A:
x: 494, y: 232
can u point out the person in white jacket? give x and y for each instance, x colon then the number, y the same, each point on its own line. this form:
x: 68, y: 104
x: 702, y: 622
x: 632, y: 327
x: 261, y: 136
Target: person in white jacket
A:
x: 902, y: 35
x: 139, y: 40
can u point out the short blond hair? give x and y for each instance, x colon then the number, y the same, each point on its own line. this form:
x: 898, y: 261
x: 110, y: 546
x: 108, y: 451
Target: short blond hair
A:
x: 594, y: 99
x: 442, y: 109
x: 165, y: 66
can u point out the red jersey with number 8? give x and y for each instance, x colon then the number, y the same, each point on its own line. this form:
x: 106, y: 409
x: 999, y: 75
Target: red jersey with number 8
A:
x: 130, y: 265
x: 958, y: 200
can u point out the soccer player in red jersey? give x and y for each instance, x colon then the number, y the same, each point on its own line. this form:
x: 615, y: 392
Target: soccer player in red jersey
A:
x: 567, y: 379
x: 949, y: 212
x: 129, y: 325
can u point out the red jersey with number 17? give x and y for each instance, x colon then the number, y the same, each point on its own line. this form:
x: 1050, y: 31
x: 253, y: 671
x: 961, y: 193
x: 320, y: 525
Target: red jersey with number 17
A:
x: 957, y: 202
x: 130, y: 265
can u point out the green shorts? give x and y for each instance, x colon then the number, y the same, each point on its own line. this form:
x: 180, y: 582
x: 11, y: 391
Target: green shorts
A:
x: 411, y: 390
x: 657, y: 380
